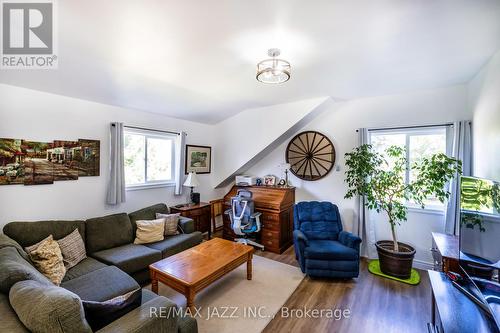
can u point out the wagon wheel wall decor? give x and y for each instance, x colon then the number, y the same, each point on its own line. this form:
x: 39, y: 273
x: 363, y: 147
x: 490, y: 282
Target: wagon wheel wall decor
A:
x: 311, y: 155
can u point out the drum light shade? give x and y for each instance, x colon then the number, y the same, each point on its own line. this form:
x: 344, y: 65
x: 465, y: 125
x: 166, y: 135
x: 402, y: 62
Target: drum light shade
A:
x: 274, y: 70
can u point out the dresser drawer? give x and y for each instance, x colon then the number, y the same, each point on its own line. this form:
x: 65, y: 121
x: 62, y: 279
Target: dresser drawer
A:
x: 271, y: 245
x: 198, y: 212
x: 270, y: 235
x: 270, y: 217
x: 270, y: 225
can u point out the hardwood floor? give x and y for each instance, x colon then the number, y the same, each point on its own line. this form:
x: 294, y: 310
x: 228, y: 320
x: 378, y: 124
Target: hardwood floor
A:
x: 375, y: 304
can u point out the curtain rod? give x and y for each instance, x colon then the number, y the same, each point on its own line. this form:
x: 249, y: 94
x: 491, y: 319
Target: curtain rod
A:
x: 150, y: 129
x: 408, y: 127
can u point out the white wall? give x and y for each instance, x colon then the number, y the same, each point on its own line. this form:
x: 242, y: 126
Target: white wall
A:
x: 484, y: 100
x: 252, y: 132
x: 340, y: 124
x: 28, y: 114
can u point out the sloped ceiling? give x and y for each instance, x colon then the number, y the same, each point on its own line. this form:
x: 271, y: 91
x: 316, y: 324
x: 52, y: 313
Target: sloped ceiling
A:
x: 249, y: 136
x: 195, y: 59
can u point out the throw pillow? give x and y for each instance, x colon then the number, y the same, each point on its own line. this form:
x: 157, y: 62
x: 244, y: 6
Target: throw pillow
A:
x: 171, y: 223
x: 72, y: 249
x: 33, y: 247
x: 100, y: 314
x: 47, y: 308
x: 149, y: 231
x: 48, y: 259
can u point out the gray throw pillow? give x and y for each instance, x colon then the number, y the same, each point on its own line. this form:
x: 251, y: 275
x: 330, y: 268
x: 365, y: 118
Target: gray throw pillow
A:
x: 171, y: 223
x: 72, y: 249
x: 43, y: 308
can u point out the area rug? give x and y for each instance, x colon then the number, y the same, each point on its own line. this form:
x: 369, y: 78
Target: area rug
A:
x: 235, y: 304
x: 374, y: 268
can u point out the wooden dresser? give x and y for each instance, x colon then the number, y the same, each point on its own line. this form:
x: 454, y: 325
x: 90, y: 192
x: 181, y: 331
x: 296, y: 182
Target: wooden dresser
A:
x: 200, y: 213
x: 276, y: 205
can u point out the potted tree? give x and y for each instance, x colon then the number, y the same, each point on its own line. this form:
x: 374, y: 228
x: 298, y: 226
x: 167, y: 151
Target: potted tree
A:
x: 380, y: 178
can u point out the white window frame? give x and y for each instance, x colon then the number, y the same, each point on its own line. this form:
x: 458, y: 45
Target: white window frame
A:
x: 154, y: 135
x: 418, y: 130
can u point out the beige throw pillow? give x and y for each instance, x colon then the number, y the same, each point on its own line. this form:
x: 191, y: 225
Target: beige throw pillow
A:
x: 171, y: 223
x: 72, y: 249
x: 48, y: 259
x: 149, y: 231
x: 33, y: 247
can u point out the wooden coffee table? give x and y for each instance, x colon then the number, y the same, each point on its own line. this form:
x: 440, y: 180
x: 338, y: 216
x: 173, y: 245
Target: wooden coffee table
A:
x: 190, y: 271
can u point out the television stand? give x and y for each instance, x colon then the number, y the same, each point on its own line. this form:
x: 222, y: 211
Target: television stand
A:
x: 454, y: 312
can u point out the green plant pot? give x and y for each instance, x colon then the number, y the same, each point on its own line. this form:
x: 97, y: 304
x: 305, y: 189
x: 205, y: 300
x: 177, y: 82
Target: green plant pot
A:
x: 397, y: 264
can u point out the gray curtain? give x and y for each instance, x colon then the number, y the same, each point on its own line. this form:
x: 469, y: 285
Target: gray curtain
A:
x: 116, y: 186
x: 363, y: 228
x: 180, y: 146
x: 461, y: 148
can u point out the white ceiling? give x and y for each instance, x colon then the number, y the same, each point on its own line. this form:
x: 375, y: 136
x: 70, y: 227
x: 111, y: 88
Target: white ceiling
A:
x: 195, y: 59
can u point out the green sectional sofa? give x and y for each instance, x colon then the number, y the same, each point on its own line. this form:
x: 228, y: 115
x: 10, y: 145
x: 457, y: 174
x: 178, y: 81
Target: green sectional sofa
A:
x: 114, y: 266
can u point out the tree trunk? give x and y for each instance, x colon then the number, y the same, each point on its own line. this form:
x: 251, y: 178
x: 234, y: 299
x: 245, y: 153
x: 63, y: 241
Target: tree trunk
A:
x: 394, y: 239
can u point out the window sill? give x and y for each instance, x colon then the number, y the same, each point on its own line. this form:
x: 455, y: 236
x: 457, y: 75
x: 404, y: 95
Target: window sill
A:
x: 148, y: 186
x: 427, y: 210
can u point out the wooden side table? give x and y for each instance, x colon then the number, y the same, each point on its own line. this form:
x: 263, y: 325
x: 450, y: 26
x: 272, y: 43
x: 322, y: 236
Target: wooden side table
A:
x: 200, y: 213
x: 445, y: 251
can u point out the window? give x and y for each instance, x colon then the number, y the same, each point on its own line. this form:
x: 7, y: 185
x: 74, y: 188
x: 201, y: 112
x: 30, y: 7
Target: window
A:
x: 149, y: 158
x: 419, y: 142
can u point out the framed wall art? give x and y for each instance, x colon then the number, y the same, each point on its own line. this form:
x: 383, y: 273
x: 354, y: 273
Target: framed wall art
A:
x: 35, y: 163
x: 198, y: 159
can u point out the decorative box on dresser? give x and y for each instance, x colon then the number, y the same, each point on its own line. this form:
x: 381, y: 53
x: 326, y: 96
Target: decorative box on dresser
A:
x: 200, y: 213
x: 276, y: 205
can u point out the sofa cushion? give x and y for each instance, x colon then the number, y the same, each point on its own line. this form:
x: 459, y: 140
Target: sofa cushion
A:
x: 85, y: 266
x: 44, y: 308
x: 102, y: 284
x: 187, y: 324
x: 10, y: 322
x: 6, y: 241
x: 130, y: 258
x: 147, y: 295
x: 108, y: 231
x: 148, y: 213
x: 329, y: 250
x: 29, y: 233
x: 175, y: 244
x: 14, y: 268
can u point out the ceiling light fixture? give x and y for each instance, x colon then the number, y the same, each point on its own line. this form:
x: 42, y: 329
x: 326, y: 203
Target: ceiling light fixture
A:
x: 273, y: 71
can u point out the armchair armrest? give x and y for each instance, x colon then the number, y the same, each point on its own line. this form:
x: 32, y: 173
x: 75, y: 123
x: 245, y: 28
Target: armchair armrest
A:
x: 157, y: 315
x: 349, y: 240
x: 299, y: 236
x: 186, y: 224
x: 300, y: 241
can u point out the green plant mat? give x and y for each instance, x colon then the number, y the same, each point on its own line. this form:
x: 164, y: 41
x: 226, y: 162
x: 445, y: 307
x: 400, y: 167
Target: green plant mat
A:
x: 374, y: 268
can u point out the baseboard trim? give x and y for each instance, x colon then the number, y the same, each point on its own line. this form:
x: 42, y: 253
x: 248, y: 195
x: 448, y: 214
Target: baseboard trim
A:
x: 418, y: 264
x: 423, y: 265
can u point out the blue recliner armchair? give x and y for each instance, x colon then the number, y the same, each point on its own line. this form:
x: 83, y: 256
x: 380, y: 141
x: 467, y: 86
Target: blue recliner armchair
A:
x: 322, y: 248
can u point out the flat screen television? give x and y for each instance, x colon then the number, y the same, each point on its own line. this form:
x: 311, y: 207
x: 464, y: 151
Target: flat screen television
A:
x: 480, y: 243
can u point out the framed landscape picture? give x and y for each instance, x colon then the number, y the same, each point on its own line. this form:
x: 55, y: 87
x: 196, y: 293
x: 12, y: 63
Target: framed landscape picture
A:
x: 198, y: 159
